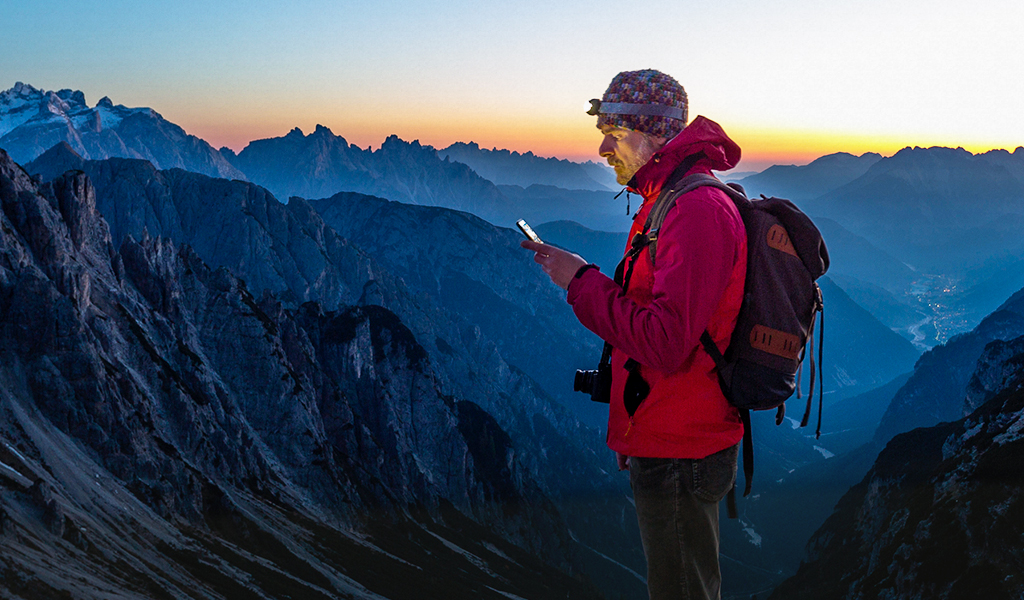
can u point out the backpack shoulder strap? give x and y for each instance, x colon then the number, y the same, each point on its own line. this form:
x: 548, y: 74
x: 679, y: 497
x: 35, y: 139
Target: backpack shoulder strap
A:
x: 667, y: 200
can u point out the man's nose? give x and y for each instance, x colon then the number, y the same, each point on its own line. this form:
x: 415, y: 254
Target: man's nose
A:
x: 607, y: 147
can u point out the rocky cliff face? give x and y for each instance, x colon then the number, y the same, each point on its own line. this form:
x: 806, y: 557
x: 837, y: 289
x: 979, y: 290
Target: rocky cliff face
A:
x: 166, y: 432
x: 32, y: 120
x: 290, y: 251
x: 941, y: 513
x: 479, y: 272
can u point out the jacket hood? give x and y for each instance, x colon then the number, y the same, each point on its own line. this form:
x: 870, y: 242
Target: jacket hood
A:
x: 701, y: 135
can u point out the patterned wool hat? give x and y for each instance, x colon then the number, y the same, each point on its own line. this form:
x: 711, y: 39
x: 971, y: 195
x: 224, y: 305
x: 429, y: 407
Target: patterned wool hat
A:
x: 648, y: 101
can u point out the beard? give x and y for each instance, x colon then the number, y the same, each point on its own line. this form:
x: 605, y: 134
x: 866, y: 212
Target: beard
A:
x: 627, y: 167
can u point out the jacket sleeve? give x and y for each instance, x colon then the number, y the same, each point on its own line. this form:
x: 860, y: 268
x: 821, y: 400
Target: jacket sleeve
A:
x: 697, y: 249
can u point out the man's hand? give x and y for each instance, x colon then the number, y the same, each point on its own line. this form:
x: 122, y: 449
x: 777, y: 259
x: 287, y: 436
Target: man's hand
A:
x: 560, y: 265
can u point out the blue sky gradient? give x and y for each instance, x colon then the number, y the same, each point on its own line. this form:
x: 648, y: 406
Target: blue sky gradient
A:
x: 789, y: 79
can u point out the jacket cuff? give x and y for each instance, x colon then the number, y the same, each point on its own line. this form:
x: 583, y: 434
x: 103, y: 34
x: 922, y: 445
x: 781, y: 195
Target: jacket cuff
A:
x: 575, y: 278
x: 580, y: 271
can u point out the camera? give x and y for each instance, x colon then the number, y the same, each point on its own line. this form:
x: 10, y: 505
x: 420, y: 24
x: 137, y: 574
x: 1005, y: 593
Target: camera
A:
x: 597, y: 383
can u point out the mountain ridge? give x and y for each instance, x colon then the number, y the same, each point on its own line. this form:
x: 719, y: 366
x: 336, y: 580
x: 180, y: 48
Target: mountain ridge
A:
x: 135, y: 431
x: 504, y: 167
x: 939, y: 515
x: 33, y: 120
x: 289, y: 250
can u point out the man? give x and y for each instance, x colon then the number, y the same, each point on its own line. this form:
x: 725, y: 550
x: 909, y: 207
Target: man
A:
x: 669, y: 423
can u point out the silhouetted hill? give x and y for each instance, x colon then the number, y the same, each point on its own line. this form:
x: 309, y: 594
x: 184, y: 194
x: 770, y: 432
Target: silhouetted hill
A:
x: 599, y: 211
x: 602, y: 248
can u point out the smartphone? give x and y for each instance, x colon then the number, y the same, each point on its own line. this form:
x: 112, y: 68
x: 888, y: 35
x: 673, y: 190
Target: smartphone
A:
x: 528, y: 231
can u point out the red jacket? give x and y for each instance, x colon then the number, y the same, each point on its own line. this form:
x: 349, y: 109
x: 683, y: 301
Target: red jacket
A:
x: 697, y: 284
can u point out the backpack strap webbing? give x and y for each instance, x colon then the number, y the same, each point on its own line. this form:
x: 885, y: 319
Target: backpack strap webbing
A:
x: 748, y: 441
x: 667, y: 200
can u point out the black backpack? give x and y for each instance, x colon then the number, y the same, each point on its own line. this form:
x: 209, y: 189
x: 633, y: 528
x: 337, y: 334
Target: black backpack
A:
x: 785, y: 255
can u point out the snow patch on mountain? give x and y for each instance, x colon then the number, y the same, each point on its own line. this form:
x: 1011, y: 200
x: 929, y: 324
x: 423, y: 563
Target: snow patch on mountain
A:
x: 24, y: 104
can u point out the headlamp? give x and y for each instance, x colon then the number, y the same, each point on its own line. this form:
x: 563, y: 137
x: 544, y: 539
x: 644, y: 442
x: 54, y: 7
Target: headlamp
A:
x: 646, y: 110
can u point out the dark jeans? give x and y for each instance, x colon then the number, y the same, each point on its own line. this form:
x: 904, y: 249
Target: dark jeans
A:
x: 677, y: 508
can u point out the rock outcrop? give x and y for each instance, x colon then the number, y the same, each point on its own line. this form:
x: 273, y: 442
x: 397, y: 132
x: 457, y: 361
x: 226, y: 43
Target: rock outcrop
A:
x: 166, y: 432
x: 33, y: 120
x: 941, y: 513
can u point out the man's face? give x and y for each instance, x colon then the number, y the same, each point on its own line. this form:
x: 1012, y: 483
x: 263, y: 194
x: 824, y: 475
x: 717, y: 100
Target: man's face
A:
x: 626, y: 150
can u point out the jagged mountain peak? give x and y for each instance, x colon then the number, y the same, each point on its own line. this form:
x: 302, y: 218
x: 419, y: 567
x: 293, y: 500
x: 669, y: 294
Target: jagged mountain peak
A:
x: 323, y: 164
x: 33, y: 121
x: 393, y: 141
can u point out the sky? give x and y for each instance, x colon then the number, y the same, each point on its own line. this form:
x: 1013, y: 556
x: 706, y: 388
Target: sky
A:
x: 789, y: 80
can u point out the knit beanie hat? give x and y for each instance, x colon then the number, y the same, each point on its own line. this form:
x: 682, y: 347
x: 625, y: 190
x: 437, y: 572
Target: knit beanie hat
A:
x: 647, y: 101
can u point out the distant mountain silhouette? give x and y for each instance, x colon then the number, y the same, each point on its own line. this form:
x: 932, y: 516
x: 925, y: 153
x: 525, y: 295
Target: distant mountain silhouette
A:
x: 32, y: 121
x: 603, y: 248
x: 512, y: 168
x: 809, y: 181
x: 599, y: 211
x: 938, y: 209
x: 322, y: 164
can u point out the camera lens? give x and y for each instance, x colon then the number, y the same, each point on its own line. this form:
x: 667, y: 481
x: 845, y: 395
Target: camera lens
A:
x: 584, y: 382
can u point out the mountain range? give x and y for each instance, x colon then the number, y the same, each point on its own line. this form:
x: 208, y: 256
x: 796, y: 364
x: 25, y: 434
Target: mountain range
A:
x: 33, y: 120
x: 807, y: 182
x: 939, y: 209
x: 322, y: 164
x: 362, y: 390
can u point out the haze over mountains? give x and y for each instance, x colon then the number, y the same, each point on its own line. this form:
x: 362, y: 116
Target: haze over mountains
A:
x: 357, y: 389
